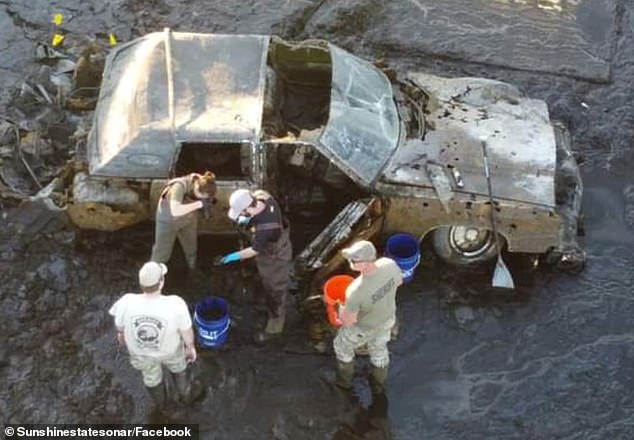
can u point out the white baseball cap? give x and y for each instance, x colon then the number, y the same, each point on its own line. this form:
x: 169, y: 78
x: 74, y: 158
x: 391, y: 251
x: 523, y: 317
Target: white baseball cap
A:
x: 239, y: 200
x: 151, y: 273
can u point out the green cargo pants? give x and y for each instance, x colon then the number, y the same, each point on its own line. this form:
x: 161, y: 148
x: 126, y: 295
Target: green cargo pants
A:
x: 186, y: 230
x: 152, y: 368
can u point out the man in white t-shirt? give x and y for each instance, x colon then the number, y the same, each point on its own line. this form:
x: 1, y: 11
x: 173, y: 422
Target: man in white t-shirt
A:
x: 368, y: 315
x: 157, y: 331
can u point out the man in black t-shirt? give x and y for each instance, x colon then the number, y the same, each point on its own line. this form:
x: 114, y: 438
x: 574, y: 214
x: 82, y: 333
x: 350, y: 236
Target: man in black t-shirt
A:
x: 271, y: 248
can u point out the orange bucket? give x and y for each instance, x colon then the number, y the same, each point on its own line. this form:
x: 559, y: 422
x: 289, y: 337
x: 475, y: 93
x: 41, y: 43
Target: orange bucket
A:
x: 335, y: 293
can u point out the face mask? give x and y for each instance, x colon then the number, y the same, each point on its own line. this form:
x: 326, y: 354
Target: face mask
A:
x: 243, y: 219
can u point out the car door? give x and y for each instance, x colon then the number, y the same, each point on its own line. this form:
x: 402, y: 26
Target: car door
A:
x: 358, y: 220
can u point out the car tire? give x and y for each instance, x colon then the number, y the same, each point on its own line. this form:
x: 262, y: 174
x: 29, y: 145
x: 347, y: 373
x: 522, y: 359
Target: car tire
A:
x: 449, y: 245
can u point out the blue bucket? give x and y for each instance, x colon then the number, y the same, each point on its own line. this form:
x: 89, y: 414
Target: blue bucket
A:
x: 211, y: 319
x: 405, y: 250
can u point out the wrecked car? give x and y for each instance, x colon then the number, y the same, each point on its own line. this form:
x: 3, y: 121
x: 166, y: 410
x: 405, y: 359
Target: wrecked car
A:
x: 349, y: 148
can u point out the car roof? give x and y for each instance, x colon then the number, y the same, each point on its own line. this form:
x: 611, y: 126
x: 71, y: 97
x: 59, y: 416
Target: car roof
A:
x: 170, y: 87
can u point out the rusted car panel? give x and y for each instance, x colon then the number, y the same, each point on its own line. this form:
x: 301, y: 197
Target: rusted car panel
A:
x: 107, y: 204
x: 317, y: 253
x: 536, y: 232
x: 102, y: 217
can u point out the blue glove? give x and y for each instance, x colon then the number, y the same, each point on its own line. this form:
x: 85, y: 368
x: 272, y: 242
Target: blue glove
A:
x: 243, y: 220
x: 230, y: 258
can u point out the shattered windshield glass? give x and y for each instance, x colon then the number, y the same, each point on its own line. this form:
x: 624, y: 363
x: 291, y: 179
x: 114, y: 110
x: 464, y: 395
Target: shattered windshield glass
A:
x: 363, y: 128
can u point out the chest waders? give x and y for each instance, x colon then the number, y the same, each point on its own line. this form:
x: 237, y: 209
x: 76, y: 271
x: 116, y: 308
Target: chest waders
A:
x: 168, y: 228
x: 274, y: 267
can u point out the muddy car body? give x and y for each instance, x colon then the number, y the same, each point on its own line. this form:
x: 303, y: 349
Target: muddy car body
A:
x: 334, y: 137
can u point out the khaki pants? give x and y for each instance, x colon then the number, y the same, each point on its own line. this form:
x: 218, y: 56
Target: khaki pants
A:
x: 185, y: 230
x: 152, y: 368
x: 348, y: 339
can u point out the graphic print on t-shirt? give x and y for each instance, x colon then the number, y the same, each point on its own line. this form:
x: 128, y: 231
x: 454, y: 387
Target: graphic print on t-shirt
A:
x: 148, y: 332
x: 382, y: 291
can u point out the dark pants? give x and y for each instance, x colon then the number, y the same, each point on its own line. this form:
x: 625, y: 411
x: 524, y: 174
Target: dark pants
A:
x: 275, y: 270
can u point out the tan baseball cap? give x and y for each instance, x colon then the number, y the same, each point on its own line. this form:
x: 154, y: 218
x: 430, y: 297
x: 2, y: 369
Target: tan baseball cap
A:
x: 360, y: 251
x: 151, y: 273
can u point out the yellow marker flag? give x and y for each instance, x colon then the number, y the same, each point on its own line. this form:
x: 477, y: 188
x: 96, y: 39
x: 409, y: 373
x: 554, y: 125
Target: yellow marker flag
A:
x: 112, y: 39
x: 58, y: 39
x: 58, y: 19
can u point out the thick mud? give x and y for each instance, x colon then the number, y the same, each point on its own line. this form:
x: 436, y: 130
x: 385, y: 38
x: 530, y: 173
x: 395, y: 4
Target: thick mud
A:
x: 554, y: 361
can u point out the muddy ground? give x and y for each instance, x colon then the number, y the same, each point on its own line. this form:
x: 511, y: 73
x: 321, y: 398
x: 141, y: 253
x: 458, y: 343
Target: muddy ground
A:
x: 554, y: 361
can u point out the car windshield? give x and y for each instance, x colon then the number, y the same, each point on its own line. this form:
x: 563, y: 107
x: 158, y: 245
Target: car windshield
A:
x: 362, y: 130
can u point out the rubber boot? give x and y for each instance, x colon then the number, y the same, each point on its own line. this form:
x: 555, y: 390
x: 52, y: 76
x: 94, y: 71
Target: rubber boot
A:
x: 157, y: 393
x: 345, y: 373
x: 377, y: 379
x: 274, y: 327
x: 189, y: 391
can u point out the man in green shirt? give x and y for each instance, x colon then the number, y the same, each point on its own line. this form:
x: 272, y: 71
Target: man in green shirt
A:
x: 368, y: 314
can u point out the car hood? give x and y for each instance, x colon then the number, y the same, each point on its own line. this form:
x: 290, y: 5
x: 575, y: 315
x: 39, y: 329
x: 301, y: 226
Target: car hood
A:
x: 170, y: 87
x: 520, y: 141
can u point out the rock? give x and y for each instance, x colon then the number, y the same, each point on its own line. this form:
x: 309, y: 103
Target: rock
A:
x: 22, y: 291
x: 56, y: 272
x: 33, y: 144
x: 52, y: 327
x: 464, y: 315
x: 530, y: 331
x: 64, y: 237
x: 25, y: 310
x: 628, y: 193
x: 6, y: 151
x: 50, y: 302
x: 7, y: 253
x: 321, y: 347
x: 305, y: 421
x: 279, y: 429
x: 34, y: 217
x: 629, y: 215
x: 4, y: 407
x: 4, y: 357
x: 6, y: 133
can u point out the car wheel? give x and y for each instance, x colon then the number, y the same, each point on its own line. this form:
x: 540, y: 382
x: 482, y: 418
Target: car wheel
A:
x: 464, y: 245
